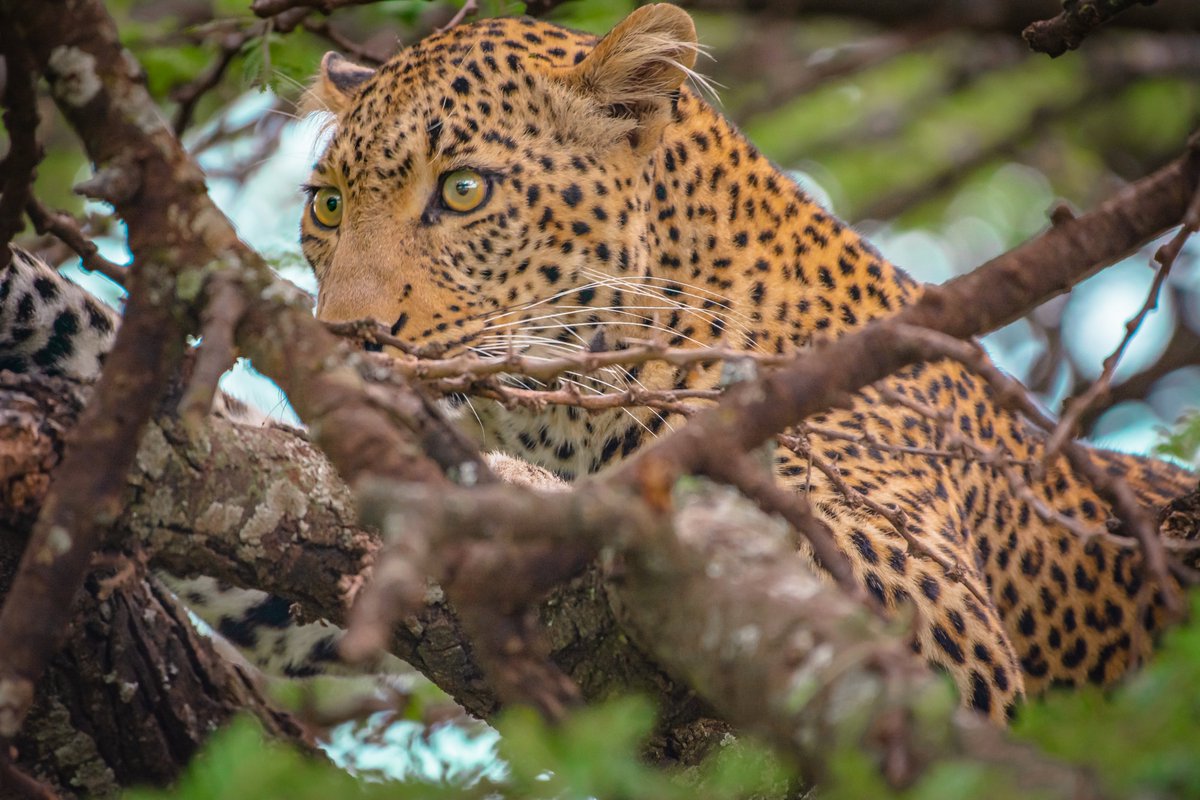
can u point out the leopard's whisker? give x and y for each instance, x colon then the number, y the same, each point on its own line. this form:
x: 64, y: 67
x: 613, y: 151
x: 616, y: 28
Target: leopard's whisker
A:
x: 699, y: 293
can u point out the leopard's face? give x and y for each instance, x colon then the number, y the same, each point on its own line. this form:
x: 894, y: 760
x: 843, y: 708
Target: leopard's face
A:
x: 488, y: 188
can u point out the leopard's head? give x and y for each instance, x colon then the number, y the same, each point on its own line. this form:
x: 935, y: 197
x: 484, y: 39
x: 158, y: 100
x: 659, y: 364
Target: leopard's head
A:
x: 489, y: 186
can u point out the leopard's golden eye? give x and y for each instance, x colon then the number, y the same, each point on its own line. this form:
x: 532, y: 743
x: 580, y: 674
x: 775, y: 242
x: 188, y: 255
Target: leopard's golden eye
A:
x: 464, y: 190
x: 327, y: 207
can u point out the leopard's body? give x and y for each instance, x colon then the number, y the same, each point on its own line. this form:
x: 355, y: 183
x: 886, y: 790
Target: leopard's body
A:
x: 620, y: 206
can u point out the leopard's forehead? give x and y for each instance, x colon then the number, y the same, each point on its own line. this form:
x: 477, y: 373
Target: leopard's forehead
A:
x: 465, y: 73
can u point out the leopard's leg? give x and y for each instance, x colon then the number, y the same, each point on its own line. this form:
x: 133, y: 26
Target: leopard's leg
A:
x: 957, y: 626
x: 1080, y: 608
x: 1077, y: 607
x: 265, y: 630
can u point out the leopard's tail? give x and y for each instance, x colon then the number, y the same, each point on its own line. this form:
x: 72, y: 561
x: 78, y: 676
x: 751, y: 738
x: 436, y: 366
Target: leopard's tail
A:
x: 49, y: 325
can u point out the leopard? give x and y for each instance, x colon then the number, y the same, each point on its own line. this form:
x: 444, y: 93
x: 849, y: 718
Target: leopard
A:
x: 513, y: 186
x: 510, y: 185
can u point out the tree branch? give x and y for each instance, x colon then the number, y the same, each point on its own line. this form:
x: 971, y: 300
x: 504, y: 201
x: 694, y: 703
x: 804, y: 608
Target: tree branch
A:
x: 21, y: 123
x: 263, y: 508
x: 144, y: 173
x: 66, y: 229
x: 1076, y: 21
x: 1004, y: 16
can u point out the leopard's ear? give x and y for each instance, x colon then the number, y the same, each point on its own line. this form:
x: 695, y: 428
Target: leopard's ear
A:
x: 641, y: 63
x: 334, y: 86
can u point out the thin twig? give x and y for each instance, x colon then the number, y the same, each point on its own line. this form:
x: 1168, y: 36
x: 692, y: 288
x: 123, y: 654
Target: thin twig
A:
x: 66, y: 229
x: 269, y: 8
x: 895, y: 516
x: 425, y: 362
x: 759, y: 485
x: 669, y: 400
x: 222, y: 312
x: 866, y: 439
x: 468, y: 8
x: 188, y: 96
x: 1165, y: 258
x: 1009, y: 392
x: 345, y: 44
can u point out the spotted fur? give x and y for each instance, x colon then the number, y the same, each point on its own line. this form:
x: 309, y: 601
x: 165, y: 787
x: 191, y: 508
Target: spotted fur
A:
x: 621, y: 206
x: 49, y: 325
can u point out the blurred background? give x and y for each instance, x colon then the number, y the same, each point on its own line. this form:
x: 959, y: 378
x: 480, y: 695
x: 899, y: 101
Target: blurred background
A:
x: 928, y: 124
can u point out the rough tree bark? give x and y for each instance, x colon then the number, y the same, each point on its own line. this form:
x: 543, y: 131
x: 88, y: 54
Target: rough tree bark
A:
x: 134, y: 691
x: 263, y: 508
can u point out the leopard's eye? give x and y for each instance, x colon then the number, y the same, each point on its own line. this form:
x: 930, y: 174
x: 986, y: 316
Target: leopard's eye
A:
x: 327, y: 207
x: 464, y: 190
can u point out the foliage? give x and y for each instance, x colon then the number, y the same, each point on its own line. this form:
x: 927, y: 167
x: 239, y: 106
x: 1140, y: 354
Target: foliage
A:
x: 594, y: 754
x: 1140, y: 738
x: 1184, y: 442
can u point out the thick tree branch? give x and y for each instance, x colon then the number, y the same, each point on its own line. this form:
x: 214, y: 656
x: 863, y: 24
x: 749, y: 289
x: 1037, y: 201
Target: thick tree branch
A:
x: 782, y: 653
x: 151, y: 181
x: 372, y: 431
x: 263, y: 508
x: 143, y: 172
x: 134, y: 692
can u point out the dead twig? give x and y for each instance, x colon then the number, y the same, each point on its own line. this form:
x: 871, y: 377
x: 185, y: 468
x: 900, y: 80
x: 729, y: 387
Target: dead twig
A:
x: 427, y: 364
x: 345, y: 44
x: 760, y: 486
x: 66, y: 229
x: 669, y: 400
x: 469, y: 8
x: 371, y: 332
x: 1009, y: 392
x: 222, y: 312
x: 189, y: 95
x: 895, y: 516
x: 1165, y: 258
x: 271, y: 8
x: 1078, y: 19
x: 866, y: 439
